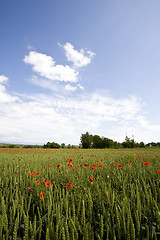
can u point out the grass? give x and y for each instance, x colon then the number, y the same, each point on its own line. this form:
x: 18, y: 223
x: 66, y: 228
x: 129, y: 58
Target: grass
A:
x: 80, y: 194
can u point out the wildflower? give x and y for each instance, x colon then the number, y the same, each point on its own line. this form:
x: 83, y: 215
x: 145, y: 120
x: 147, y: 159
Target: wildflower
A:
x: 113, y: 162
x: 81, y: 157
x: 32, y: 174
x: 91, y: 179
x: 19, y: 159
x: 37, y: 182
x: 29, y: 188
x: 73, y: 169
x: 59, y: 166
x: 85, y: 164
x: 37, y: 173
x: 69, y: 185
x: 100, y: 165
x: 16, y: 173
x: 49, y: 166
x: 79, y: 165
x: 42, y: 195
x: 70, y: 165
x: 23, y: 167
x: 129, y: 164
x: 158, y: 171
x: 93, y: 166
x: 48, y: 183
x: 119, y: 165
x: 102, y: 160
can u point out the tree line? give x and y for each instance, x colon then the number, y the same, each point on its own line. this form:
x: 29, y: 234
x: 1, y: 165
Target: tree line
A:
x: 88, y: 140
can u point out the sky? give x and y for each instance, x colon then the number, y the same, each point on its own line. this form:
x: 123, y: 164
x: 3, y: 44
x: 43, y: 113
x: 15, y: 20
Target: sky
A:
x: 68, y: 67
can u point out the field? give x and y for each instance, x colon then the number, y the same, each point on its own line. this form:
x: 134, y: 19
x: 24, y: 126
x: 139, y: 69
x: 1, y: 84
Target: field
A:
x: 80, y: 194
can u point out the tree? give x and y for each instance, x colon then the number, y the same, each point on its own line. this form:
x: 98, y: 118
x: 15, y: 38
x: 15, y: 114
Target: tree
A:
x: 97, y: 142
x: 86, y: 140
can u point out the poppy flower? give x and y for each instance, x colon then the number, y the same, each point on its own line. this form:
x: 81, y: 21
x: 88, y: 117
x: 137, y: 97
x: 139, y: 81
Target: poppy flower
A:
x: 79, y: 165
x: 93, y: 166
x: 42, y: 195
x: 29, y: 188
x: 48, y: 183
x: 85, y: 164
x: 37, y: 173
x: 91, y: 179
x: 81, y: 157
x: 49, y: 166
x: 32, y: 174
x: 23, y: 167
x: 100, y: 165
x: 37, y: 182
x: 69, y: 185
x: 129, y: 164
x: 59, y: 166
x: 73, y: 169
x: 119, y: 165
x: 158, y: 171
x: 70, y: 165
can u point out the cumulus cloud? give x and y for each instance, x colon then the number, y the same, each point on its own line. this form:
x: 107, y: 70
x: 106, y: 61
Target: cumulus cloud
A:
x: 46, y: 67
x: 3, y: 79
x: 78, y: 58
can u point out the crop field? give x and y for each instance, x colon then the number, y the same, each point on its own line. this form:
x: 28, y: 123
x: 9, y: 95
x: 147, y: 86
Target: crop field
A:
x: 80, y: 194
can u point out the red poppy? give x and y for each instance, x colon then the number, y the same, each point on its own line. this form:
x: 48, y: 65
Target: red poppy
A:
x: 37, y: 182
x: 158, y: 171
x: 85, y: 164
x: 49, y: 166
x: 129, y: 164
x: 69, y: 185
x: 93, y: 166
x: 59, y: 166
x: 70, y: 160
x: 81, y: 157
x: 48, y: 183
x: 79, y: 165
x: 146, y: 163
x: 113, y: 162
x: 102, y: 160
x: 91, y: 179
x: 100, y: 165
x: 29, y: 188
x: 119, y: 165
x: 37, y: 173
x: 73, y: 169
x: 23, y: 167
x: 42, y: 195
x: 32, y: 174
x: 70, y: 165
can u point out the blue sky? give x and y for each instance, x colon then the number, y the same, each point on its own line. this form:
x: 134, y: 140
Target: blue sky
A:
x: 67, y: 67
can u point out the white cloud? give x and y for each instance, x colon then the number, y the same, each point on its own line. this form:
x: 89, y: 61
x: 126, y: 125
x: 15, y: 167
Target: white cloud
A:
x: 40, y: 118
x: 46, y: 67
x: 3, y: 79
x: 68, y: 87
x: 80, y: 87
x: 78, y: 58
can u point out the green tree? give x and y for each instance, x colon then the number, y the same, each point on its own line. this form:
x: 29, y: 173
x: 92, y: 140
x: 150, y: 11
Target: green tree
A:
x: 86, y: 140
x: 97, y: 142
